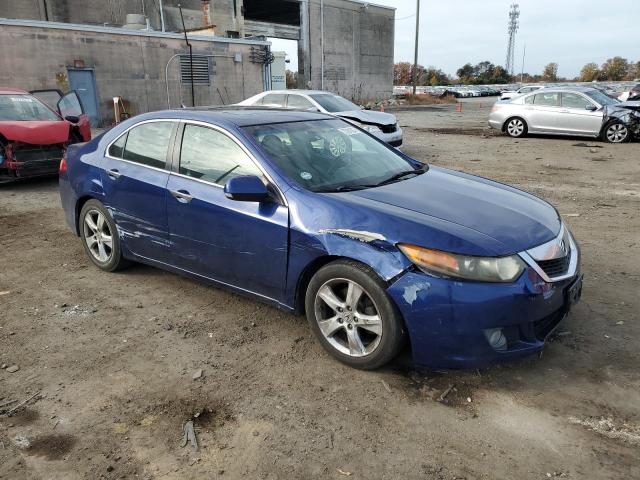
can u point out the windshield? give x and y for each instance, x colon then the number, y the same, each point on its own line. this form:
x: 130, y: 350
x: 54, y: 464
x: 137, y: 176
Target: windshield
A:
x: 334, y: 103
x: 602, y: 98
x: 23, y: 108
x: 331, y: 155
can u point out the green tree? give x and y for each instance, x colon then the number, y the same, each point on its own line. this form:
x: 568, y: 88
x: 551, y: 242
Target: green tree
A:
x: 615, y: 69
x: 636, y: 72
x: 550, y: 72
x: 589, y: 72
x: 466, y: 73
x: 483, y: 73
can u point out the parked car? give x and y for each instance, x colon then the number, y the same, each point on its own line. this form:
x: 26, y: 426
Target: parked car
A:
x: 34, y: 133
x: 579, y: 111
x: 382, y: 125
x: 308, y: 213
x: 509, y: 94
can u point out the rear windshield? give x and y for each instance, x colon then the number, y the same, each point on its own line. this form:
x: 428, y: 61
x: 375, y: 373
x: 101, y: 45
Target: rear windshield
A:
x: 24, y: 108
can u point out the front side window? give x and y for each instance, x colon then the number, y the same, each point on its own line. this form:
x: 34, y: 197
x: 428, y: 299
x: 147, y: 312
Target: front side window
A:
x: 298, y: 101
x: 330, y: 155
x: 210, y: 155
x: 573, y: 100
x: 148, y: 144
x: 24, y: 108
x: 274, y: 100
x: 333, y: 103
x: 547, y: 99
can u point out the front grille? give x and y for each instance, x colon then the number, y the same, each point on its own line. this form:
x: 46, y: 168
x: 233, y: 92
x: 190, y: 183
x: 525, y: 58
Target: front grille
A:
x: 555, y: 267
x: 389, y: 128
x: 35, y: 153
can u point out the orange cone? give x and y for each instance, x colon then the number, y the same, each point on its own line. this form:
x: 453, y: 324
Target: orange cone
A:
x: 382, y: 107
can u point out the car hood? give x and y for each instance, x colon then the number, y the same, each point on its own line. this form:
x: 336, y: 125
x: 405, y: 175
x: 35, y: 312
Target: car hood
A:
x: 479, y: 216
x: 369, y: 116
x: 36, y: 132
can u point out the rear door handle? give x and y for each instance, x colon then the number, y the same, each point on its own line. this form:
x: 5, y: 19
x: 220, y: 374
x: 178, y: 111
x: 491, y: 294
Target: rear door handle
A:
x: 565, y: 111
x: 182, y: 195
x: 114, y: 174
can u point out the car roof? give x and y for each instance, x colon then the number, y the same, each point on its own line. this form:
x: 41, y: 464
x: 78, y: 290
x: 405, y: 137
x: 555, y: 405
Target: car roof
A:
x: 10, y: 90
x: 572, y: 89
x: 237, y: 116
x: 304, y: 92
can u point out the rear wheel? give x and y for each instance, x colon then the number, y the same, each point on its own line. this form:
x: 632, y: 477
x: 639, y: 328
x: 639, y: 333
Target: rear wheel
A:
x: 516, y: 127
x: 100, y: 237
x: 352, y: 316
x: 616, y: 132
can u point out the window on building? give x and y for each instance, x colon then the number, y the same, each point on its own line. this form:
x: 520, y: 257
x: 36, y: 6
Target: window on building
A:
x: 201, y: 70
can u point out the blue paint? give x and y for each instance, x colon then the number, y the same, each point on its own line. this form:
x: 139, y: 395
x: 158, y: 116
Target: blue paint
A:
x: 265, y: 249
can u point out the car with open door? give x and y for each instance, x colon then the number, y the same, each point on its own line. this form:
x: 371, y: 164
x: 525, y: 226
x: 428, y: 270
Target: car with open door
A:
x: 310, y: 214
x: 36, y: 128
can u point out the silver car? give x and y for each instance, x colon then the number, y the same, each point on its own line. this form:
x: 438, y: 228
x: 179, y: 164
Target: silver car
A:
x: 578, y: 111
x: 379, y: 124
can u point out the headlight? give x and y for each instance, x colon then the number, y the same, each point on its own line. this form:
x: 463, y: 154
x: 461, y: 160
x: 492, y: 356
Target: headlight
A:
x: 369, y: 128
x: 480, y: 269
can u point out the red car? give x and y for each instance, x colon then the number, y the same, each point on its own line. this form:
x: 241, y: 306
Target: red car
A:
x: 35, y: 129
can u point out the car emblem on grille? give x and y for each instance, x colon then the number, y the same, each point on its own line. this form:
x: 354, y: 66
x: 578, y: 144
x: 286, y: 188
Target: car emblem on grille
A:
x: 563, y: 247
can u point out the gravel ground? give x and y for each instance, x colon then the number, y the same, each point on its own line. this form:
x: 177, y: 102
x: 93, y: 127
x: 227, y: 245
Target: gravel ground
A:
x: 111, y: 358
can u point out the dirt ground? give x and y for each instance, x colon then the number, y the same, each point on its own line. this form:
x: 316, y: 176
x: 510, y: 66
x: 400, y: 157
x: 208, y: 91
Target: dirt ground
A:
x: 111, y: 358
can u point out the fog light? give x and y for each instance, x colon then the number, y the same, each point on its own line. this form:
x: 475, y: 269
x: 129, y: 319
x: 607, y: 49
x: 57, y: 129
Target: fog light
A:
x: 496, y: 339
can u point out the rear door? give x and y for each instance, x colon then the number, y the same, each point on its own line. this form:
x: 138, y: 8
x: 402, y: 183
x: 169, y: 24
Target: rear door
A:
x: 543, y: 112
x: 238, y: 243
x: 134, y: 180
x: 579, y: 115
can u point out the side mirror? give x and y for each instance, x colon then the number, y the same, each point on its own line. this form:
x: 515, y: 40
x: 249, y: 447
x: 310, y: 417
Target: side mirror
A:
x: 247, y: 189
x: 72, y: 118
x: 591, y: 107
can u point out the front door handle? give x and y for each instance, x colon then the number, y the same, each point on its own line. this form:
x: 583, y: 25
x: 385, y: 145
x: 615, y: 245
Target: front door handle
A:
x: 182, y: 195
x: 114, y: 174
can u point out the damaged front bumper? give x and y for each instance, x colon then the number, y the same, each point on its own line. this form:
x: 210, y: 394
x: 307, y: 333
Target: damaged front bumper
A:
x: 455, y: 324
x: 18, y: 160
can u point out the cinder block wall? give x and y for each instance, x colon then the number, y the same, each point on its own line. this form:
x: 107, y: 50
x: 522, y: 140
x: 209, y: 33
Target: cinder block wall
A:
x: 358, y: 49
x: 125, y: 65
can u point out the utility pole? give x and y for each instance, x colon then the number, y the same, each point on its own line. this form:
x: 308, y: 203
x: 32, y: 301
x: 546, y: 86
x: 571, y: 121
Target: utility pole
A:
x: 524, y: 55
x: 415, y: 57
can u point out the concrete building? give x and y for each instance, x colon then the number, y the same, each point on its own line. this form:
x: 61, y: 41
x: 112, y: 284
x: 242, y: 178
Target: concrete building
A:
x: 123, y: 47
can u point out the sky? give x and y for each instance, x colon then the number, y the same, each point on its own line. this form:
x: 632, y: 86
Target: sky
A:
x: 568, y: 32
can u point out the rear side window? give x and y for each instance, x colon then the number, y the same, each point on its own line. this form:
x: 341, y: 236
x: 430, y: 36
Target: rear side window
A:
x: 529, y: 99
x: 117, y: 148
x: 548, y: 99
x: 274, y: 100
x: 210, y: 155
x: 148, y: 144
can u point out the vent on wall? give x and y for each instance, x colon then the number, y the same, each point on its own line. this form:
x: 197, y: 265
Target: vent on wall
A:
x: 201, y: 71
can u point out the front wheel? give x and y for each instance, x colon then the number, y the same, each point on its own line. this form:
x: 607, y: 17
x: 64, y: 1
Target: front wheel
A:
x: 100, y: 237
x: 352, y: 316
x: 616, y: 132
x: 516, y: 127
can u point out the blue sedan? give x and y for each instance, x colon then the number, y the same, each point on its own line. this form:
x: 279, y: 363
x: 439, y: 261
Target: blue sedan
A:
x: 313, y: 215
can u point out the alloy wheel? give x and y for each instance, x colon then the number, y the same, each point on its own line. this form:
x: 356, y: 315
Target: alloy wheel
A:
x: 617, y: 133
x: 98, y: 236
x: 348, y: 317
x: 515, y: 127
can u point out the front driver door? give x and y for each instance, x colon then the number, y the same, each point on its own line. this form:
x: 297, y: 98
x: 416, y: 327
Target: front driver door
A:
x: 579, y: 115
x: 244, y: 244
x: 134, y: 180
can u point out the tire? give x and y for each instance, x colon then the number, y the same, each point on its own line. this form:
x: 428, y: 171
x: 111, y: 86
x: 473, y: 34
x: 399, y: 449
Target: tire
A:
x: 366, y: 333
x: 616, y: 132
x: 100, y: 237
x: 516, y: 127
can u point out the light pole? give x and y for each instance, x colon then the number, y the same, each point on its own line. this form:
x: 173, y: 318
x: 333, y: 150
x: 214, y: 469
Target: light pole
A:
x: 415, y: 58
